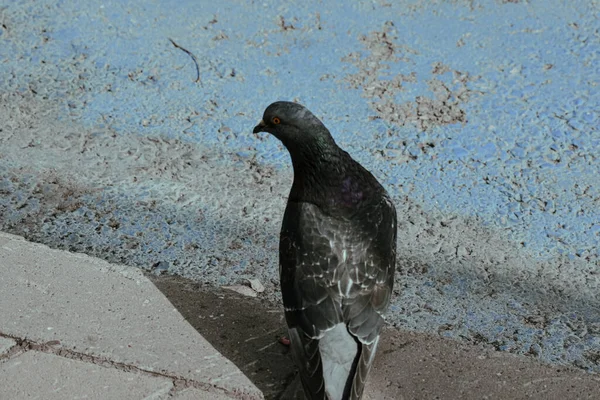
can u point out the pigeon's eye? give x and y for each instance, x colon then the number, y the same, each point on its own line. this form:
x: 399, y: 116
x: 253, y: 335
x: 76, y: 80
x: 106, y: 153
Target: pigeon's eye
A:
x: 276, y: 120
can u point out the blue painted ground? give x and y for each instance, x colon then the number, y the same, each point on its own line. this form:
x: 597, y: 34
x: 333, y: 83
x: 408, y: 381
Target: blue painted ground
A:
x: 480, y: 117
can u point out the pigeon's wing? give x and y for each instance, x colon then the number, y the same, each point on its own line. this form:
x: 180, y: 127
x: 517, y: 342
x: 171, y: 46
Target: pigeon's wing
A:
x: 364, y: 283
x: 367, y: 288
x: 336, y: 280
x: 372, y: 279
x: 306, y: 267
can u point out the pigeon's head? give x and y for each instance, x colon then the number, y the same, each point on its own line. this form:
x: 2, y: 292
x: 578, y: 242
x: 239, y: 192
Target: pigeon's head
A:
x: 293, y: 124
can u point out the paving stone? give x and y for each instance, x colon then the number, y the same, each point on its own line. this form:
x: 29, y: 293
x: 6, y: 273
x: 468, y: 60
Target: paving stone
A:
x: 37, y: 375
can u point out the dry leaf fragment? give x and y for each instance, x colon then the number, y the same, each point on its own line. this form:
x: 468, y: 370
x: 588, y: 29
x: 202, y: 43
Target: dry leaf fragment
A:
x: 256, y: 285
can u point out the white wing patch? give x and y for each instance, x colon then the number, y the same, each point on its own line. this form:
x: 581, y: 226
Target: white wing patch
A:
x: 349, y: 283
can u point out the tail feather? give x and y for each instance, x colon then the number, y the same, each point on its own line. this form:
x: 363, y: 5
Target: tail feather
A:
x: 353, y: 370
x: 307, y: 357
x: 365, y: 361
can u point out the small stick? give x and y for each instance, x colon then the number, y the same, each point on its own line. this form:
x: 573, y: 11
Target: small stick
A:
x: 191, y: 55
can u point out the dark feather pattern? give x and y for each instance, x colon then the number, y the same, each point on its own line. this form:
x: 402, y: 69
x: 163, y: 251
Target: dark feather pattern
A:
x: 337, y: 257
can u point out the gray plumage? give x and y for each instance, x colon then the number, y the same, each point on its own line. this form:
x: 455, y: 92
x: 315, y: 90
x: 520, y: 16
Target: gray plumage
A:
x: 337, y: 256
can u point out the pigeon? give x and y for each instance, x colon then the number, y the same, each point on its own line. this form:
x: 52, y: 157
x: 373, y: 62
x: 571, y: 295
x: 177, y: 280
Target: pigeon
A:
x: 337, y: 255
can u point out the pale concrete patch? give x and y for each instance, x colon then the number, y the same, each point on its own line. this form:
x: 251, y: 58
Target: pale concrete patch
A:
x: 5, y: 345
x: 107, y: 311
x: 195, y: 394
x: 36, y: 375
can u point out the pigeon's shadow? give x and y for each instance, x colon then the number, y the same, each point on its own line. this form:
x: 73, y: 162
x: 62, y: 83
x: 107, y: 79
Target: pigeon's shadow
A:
x: 246, y: 330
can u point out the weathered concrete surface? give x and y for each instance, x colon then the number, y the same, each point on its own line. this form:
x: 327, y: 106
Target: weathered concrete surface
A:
x: 85, y: 308
x: 480, y: 118
x: 36, y: 375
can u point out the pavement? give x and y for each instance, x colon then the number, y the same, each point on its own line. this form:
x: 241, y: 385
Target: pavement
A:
x: 73, y: 326
x: 67, y: 317
x: 480, y: 118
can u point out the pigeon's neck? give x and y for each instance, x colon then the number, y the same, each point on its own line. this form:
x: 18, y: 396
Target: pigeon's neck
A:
x: 314, y: 164
x: 330, y: 178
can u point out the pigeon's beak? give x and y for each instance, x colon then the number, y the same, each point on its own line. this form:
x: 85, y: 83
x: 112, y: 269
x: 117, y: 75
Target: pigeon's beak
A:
x: 260, y: 127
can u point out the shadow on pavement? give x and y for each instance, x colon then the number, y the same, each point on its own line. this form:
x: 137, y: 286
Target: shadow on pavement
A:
x: 244, y: 329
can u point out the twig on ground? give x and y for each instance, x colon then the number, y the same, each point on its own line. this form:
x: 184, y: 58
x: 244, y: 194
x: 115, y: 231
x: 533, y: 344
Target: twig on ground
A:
x: 191, y: 55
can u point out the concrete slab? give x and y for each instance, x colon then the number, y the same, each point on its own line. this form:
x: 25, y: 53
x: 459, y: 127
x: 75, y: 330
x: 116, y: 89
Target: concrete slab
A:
x: 5, y: 345
x: 37, y: 375
x: 110, y: 312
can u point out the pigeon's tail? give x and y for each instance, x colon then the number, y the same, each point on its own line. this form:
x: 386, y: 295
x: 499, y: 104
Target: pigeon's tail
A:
x: 339, y: 354
x: 345, y: 363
